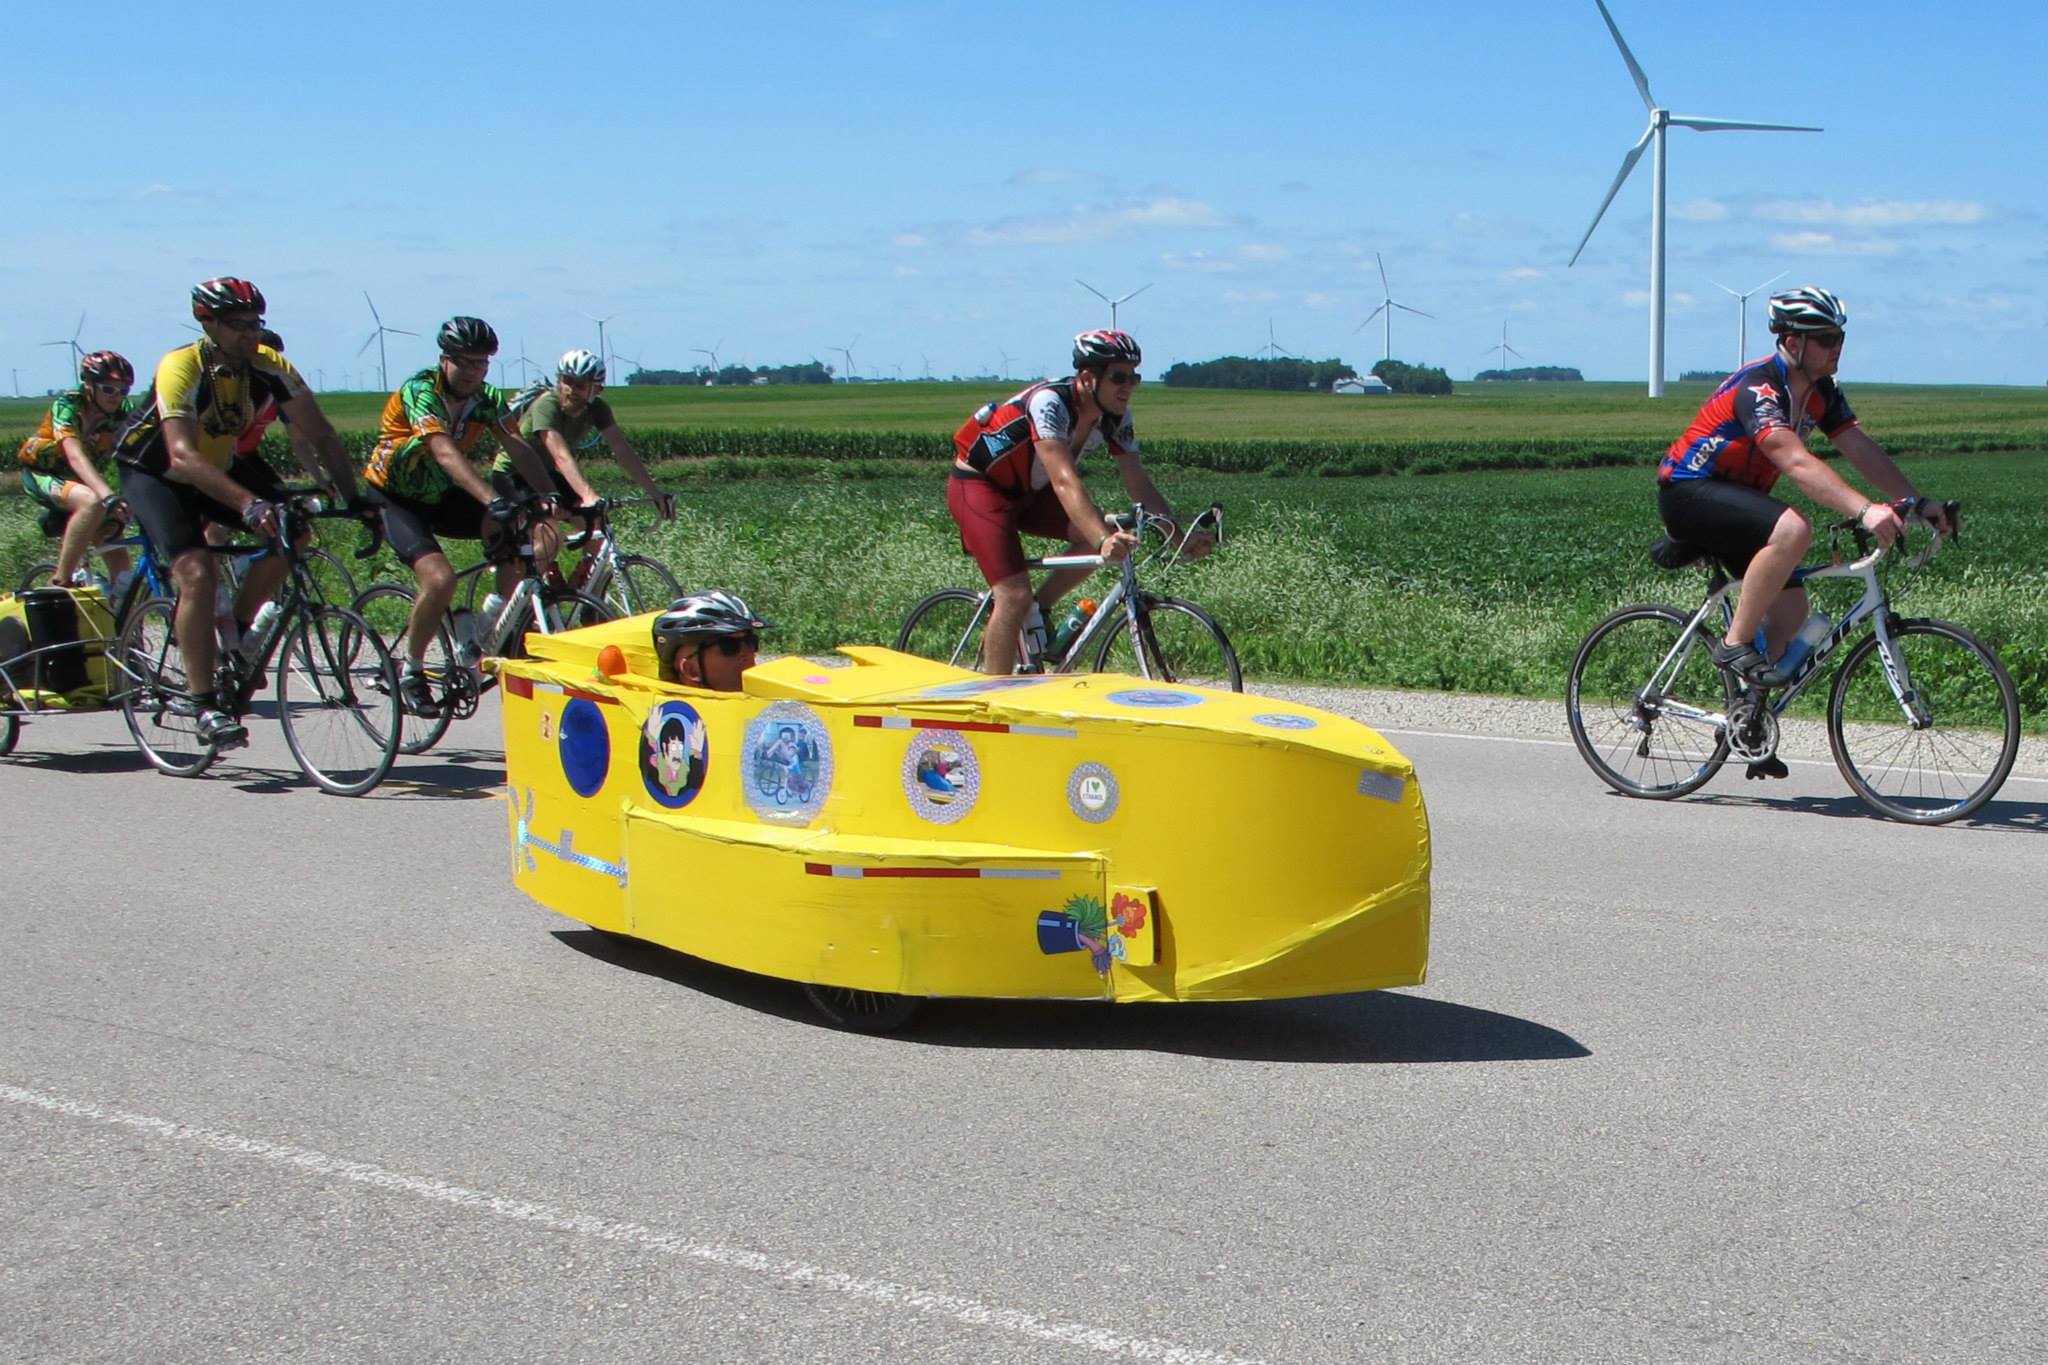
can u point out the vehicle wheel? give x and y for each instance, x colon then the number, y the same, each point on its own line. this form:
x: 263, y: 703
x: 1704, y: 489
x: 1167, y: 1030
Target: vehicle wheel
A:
x: 387, y: 608
x: 1954, y: 758
x: 862, y: 1011
x: 38, y: 576
x: 946, y: 626
x: 337, y: 584
x: 1654, y: 742
x: 155, y: 700
x: 337, y: 698
x: 640, y: 584
x: 1180, y: 644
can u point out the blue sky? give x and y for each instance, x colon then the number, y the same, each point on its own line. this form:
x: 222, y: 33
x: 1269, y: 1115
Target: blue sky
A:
x: 923, y: 183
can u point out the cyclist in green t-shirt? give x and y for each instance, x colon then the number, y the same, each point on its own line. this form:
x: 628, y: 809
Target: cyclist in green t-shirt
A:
x: 567, y: 419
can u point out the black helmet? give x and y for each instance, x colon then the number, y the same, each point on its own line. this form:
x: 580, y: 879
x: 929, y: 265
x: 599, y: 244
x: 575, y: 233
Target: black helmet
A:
x: 106, y: 367
x: 211, y: 298
x: 1102, y: 347
x: 701, y: 616
x: 468, y: 336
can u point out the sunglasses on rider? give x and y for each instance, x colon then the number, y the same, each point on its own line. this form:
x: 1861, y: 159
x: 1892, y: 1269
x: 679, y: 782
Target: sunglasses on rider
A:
x: 732, y: 646
x: 110, y: 389
x: 1831, y: 340
x: 1122, y: 378
x: 243, y: 323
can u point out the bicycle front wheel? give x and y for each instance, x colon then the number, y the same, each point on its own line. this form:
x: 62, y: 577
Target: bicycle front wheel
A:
x: 336, y: 583
x: 640, y: 584
x: 1175, y: 642
x: 337, y: 698
x: 387, y: 609
x: 560, y: 609
x: 156, y: 698
x: 1644, y: 725
x: 1942, y: 748
x: 946, y: 626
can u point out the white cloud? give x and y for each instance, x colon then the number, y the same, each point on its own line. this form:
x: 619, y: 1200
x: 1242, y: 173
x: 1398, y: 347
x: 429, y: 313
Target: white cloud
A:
x: 1087, y: 222
x: 1827, y: 244
x: 907, y: 272
x: 1640, y: 298
x: 1877, y: 213
x: 912, y: 239
x: 1196, y: 260
x: 1251, y: 296
x: 1050, y: 175
x: 1522, y: 272
x: 1701, y: 211
x: 1171, y: 212
x: 1259, y: 251
x: 1522, y: 306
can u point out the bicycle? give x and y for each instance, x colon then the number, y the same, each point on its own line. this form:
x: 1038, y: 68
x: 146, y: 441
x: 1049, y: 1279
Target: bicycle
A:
x: 337, y: 687
x: 462, y: 639
x: 1923, y: 720
x: 335, y: 576
x: 1164, y: 639
x: 629, y: 584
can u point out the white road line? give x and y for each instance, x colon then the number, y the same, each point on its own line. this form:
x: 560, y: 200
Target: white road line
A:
x: 1566, y: 744
x: 927, y: 1302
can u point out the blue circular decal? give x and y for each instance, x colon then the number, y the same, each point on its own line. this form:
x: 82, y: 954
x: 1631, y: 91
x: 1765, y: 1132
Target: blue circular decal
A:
x: 585, y: 746
x: 1147, y: 696
x: 675, y: 753
x: 1280, y: 720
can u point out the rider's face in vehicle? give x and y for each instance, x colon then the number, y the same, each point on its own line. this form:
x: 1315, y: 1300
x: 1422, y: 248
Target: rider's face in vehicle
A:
x: 464, y: 374
x: 717, y: 664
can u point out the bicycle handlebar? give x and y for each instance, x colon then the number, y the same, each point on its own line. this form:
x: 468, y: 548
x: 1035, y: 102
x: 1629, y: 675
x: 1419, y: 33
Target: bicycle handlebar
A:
x: 1911, y: 511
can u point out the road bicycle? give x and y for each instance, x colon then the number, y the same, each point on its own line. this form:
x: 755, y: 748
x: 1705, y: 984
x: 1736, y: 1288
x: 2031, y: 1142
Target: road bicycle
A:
x: 1922, y: 719
x: 336, y: 580
x: 337, y: 687
x: 465, y: 638
x: 1134, y: 630
x: 628, y: 583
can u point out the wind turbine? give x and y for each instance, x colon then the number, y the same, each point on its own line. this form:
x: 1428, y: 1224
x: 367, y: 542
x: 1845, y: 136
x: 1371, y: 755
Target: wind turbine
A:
x: 711, y: 351
x: 525, y: 365
x: 637, y: 366
x: 927, y: 364
x: 847, y: 351
x: 383, y: 373
x: 1113, y: 303
x: 77, y: 351
x: 602, y: 352
x: 1504, y: 349
x: 1008, y: 359
x: 1660, y: 120
x: 1742, y: 321
x: 1387, y: 306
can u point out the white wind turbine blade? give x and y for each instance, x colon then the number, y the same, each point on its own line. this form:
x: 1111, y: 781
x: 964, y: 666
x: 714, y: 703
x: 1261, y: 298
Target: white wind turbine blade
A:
x: 1406, y: 309
x: 1093, y: 290
x: 1134, y: 293
x: 1386, y: 290
x: 1642, y: 81
x: 1628, y: 163
x: 1722, y: 125
x: 400, y: 332
x: 1368, y: 319
x: 369, y: 341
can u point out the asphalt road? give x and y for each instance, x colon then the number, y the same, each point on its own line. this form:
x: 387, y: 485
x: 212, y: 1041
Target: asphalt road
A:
x: 1748, y: 1077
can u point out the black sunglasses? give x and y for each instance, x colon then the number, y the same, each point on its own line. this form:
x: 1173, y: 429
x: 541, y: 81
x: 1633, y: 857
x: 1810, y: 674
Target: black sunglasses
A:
x: 732, y: 646
x: 1127, y: 377
x: 1831, y: 340
x: 241, y: 324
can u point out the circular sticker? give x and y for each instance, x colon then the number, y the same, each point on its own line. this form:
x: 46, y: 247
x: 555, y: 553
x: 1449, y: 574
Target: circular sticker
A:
x: 787, y: 759
x: 1280, y: 720
x: 941, y: 776
x: 1146, y: 696
x: 585, y: 746
x: 1092, y: 792
x: 675, y: 753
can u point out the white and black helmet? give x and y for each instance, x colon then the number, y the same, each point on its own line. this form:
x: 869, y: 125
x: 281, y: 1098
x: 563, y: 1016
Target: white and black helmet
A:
x: 1104, y: 346
x: 1807, y: 309
x: 701, y: 616
x: 580, y: 364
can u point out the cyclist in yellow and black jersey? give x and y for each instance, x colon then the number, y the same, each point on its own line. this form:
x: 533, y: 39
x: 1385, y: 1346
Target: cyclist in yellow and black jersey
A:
x: 179, y: 471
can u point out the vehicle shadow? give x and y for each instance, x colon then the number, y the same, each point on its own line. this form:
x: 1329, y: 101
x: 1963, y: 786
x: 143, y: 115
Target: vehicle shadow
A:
x: 454, y: 775
x: 1997, y: 813
x: 113, y: 758
x: 1366, y: 1027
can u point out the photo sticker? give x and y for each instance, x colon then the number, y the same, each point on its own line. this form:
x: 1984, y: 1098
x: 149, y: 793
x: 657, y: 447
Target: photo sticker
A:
x: 788, y: 762
x: 675, y: 754
x: 941, y: 776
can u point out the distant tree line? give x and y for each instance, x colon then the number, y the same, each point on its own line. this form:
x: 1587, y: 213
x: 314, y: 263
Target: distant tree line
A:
x: 811, y: 372
x: 1566, y: 372
x: 1402, y: 377
x: 1240, y: 372
x: 1711, y: 376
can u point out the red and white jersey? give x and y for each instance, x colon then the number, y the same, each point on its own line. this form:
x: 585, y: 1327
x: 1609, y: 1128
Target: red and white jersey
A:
x: 1000, y: 441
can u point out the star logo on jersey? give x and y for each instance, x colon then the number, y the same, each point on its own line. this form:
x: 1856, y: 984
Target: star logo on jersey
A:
x: 1764, y: 393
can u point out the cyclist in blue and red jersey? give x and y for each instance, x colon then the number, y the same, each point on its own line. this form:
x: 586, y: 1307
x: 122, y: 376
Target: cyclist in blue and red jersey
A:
x: 1713, y: 486
x: 1016, y: 469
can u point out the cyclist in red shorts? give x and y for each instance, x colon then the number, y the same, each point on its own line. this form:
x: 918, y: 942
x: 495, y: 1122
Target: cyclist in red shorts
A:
x: 1016, y: 470
x: 1713, y: 486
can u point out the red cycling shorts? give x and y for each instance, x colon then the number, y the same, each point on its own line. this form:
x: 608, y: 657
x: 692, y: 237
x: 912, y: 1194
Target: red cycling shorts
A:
x: 991, y: 520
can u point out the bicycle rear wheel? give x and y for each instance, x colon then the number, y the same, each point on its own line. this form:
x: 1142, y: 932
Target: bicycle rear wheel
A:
x: 156, y: 699
x: 336, y: 583
x: 1953, y: 754
x: 640, y: 584
x: 1642, y: 728
x: 946, y: 626
x: 387, y: 609
x: 561, y: 609
x: 337, y: 698
x: 1175, y: 642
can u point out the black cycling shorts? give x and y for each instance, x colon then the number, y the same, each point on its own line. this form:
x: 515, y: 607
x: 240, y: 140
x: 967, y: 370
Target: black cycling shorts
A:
x: 412, y: 529
x: 174, y: 515
x: 1732, y: 521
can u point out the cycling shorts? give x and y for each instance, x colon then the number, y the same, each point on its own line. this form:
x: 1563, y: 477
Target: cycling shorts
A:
x: 50, y: 490
x: 414, y: 529
x: 991, y: 523
x: 1732, y: 521
x: 174, y: 515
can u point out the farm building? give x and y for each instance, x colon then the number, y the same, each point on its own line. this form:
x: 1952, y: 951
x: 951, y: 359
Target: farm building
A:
x: 1370, y: 383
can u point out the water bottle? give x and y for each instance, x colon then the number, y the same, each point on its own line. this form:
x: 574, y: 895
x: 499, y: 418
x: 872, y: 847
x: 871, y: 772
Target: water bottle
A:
x: 1031, y: 641
x: 1806, y: 641
x: 224, y: 628
x: 259, y: 630
x: 118, y: 588
x: 1070, y: 627
x: 467, y: 651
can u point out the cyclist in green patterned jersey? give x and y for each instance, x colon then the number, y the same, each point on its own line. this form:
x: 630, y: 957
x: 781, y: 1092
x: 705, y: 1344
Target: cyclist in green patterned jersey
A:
x: 59, y: 463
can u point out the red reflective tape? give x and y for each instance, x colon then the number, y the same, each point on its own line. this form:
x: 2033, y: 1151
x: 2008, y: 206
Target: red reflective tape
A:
x: 597, y: 697
x: 868, y: 722
x: 986, y: 726
x: 519, y: 686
